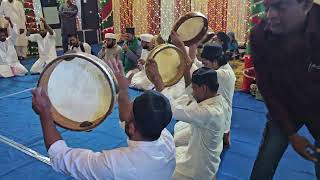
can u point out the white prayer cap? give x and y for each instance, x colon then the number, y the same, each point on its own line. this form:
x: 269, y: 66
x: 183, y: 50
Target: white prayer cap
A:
x: 146, y: 37
x: 317, y: 2
x: 3, y: 23
x: 110, y: 36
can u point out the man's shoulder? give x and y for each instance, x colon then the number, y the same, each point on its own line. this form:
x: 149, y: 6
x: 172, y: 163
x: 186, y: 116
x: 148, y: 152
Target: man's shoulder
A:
x: 118, y: 47
x: 225, y: 70
x: 86, y: 44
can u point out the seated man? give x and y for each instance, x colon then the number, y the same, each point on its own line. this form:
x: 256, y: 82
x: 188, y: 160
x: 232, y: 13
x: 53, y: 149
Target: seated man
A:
x: 110, y: 48
x: 141, y: 81
x: 213, y: 57
x: 150, y: 153
x: 139, y: 78
x: 46, y: 46
x: 9, y: 63
x: 233, y: 45
x: 131, y: 50
x: 206, y: 111
x: 76, y: 46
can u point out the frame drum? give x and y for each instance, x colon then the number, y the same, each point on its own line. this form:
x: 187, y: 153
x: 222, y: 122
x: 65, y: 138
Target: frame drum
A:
x: 170, y: 61
x: 191, y: 27
x: 82, y: 90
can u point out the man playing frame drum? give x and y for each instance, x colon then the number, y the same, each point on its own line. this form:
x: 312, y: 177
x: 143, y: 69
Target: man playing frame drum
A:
x: 205, y: 110
x: 9, y: 63
x: 213, y: 57
x: 150, y: 145
x: 137, y: 76
x: 46, y: 44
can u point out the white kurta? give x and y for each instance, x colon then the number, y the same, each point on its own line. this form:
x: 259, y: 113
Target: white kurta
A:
x: 46, y: 48
x: 139, y: 77
x: 140, y: 160
x: 201, y: 158
x: 9, y: 63
x: 227, y: 80
x: 110, y: 53
x: 144, y: 54
x: 86, y: 46
x: 15, y: 12
x: 141, y: 81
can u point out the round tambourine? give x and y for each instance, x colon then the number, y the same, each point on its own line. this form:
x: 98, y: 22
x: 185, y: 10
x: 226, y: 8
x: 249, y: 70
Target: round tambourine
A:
x: 82, y: 90
x: 191, y: 27
x: 170, y: 61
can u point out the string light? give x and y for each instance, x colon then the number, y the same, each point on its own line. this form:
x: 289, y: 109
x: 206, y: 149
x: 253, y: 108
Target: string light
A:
x: 116, y: 16
x: 126, y: 14
x: 182, y: 7
x: 237, y: 16
x: 217, y: 14
x: 146, y: 16
x: 154, y: 16
x: 200, y: 6
x: 140, y: 19
x: 223, y: 15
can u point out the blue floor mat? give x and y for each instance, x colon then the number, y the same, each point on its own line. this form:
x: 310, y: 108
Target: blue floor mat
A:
x: 20, y: 123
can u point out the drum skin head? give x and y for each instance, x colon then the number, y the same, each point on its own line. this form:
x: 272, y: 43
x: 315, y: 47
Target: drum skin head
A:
x: 81, y: 89
x: 191, y: 27
x: 170, y: 61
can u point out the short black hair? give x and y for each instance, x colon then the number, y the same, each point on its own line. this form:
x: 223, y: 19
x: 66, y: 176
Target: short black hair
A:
x: 225, y: 39
x: 73, y: 35
x: 152, y: 113
x: 214, y: 52
x: 4, y: 30
x: 222, y: 60
x: 206, y: 76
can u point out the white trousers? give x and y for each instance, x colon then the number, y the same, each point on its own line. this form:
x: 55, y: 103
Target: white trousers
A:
x: 15, y: 69
x: 21, y: 51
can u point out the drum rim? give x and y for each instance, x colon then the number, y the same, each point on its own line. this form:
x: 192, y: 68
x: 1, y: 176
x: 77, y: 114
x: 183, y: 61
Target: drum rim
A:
x: 58, y: 118
x: 182, y: 68
x: 202, y: 33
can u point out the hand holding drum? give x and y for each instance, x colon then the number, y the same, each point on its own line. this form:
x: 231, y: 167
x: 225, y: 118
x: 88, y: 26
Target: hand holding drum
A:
x: 191, y: 28
x: 171, y: 62
x: 81, y: 89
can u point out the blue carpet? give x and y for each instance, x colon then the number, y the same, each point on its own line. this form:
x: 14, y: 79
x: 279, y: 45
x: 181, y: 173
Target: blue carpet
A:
x: 20, y: 123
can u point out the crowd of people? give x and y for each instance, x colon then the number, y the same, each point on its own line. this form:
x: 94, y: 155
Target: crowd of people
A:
x: 201, y: 101
x: 15, y: 38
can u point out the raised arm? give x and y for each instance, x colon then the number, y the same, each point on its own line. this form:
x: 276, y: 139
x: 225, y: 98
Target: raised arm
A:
x: 125, y: 105
x: 79, y: 163
x: 14, y: 33
x: 188, y: 61
x: 48, y: 28
x: 42, y: 106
